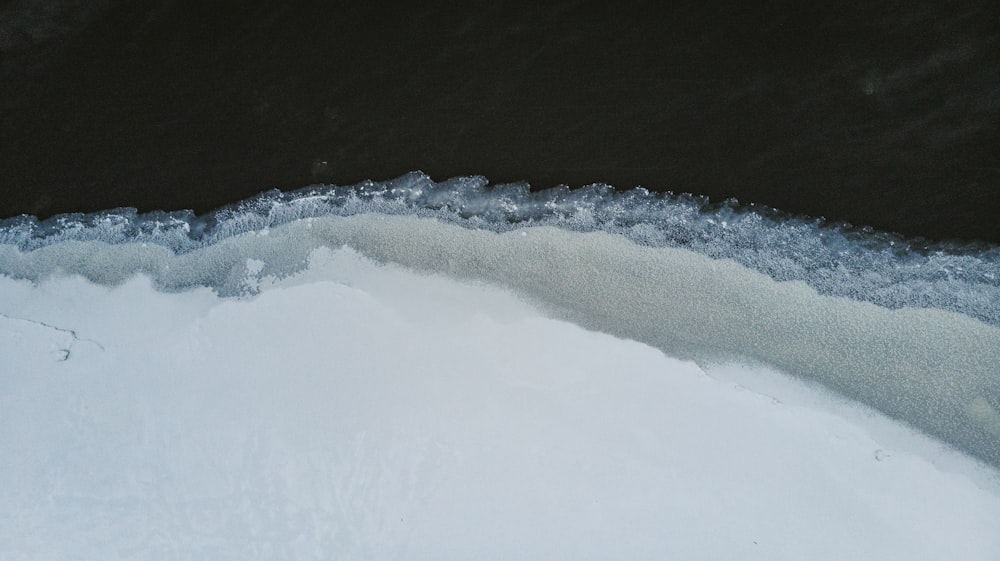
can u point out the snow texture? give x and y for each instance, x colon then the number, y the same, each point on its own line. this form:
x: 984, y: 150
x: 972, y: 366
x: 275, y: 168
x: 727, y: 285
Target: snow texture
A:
x: 357, y: 409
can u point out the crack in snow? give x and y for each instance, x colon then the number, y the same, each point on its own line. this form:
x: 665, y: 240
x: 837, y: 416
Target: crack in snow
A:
x: 72, y: 333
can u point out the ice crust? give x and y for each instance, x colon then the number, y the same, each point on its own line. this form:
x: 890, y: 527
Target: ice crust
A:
x: 834, y: 259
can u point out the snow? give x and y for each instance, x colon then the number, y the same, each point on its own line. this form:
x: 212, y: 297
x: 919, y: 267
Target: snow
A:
x: 363, y: 410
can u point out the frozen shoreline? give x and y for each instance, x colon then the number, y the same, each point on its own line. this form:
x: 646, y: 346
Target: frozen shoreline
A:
x: 364, y: 411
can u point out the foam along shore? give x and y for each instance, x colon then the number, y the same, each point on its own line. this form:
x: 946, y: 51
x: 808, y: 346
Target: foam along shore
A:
x: 360, y: 410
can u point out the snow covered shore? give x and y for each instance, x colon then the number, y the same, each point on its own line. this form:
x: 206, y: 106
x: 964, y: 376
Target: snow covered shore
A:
x: 358, y: 410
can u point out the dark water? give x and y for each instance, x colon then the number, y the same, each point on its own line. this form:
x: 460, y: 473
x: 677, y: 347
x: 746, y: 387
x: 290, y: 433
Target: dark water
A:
x: 877, y: 113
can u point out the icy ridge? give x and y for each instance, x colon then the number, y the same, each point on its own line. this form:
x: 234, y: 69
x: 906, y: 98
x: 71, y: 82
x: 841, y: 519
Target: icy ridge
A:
x: 834, y: 259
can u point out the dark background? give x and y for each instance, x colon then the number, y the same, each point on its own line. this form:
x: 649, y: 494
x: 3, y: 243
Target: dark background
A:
x: 877, y: 113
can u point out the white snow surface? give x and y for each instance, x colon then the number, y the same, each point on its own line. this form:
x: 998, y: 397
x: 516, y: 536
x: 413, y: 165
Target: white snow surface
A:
x: 359, y: 410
